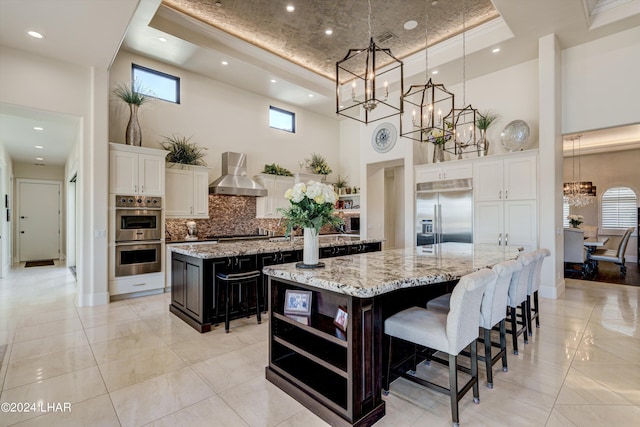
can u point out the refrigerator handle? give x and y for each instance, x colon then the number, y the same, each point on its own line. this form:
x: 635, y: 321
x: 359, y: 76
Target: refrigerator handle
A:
x: 439, y: 223
x: 436, y: 224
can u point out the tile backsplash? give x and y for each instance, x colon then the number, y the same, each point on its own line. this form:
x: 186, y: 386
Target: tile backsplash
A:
x: 233, y: 215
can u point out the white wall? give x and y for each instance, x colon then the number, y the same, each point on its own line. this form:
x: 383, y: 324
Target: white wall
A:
x: 601, y: 88
x: 225, y: 118
x: 6, y: 188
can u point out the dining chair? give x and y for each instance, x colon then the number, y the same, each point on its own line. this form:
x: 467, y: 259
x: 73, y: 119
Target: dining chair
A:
x: 615, y: 256
x: 575, y: 253
x: 449, y: 333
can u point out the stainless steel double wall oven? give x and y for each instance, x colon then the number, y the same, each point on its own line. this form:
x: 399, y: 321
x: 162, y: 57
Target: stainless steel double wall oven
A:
x: 138, y: 234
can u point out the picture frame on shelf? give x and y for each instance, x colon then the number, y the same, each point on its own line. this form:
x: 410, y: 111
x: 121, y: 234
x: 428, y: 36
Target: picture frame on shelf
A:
x: 297, y: 302
x: 341, y: 318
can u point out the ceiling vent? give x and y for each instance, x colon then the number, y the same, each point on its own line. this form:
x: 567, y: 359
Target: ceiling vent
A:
x: 385, y: 37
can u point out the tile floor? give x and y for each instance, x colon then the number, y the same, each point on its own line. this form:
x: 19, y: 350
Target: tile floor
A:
x: 132, y: 363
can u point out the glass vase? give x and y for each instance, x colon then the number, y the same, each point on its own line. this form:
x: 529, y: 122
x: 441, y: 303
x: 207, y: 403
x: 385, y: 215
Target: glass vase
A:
x: 311, y: 250
x: 438, y: 153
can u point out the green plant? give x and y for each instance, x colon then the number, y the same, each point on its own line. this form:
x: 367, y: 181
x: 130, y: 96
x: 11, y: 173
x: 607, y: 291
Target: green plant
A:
x: 275, y: 169
x: 317, y: 164
x: 341, y: 182
x: 485, y: 120
x: 131, y: 94
x: 182, y: 150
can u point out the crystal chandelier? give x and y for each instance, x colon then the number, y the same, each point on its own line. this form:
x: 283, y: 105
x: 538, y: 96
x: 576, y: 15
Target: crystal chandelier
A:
x: 362, y: 80
x: 578, y: 193
x: 430, y: 105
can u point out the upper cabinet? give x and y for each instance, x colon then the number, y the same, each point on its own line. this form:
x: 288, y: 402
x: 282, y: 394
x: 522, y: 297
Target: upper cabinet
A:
x: 187, y: 191
x: 276, y: 185
x: 443, y: 171
x: 136, y: 170
x: 512, y: 177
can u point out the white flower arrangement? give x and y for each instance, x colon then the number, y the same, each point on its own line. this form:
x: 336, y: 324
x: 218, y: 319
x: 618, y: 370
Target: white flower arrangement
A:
x: 575, y: 220
x: 312, y: 206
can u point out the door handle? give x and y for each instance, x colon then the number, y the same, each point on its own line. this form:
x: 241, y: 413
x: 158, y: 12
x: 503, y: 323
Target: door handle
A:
x: 500, y: 194
x: 22, y: 232
x: 500, y: 239
x: 506, y: 239
x: 506, y: 194
x: 24, y: 217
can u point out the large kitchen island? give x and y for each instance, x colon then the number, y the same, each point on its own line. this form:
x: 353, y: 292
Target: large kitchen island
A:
x: 337, y: 372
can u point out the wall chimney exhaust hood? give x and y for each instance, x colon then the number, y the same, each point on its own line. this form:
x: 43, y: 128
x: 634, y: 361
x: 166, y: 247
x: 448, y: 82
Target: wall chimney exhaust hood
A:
x: 234, y: 180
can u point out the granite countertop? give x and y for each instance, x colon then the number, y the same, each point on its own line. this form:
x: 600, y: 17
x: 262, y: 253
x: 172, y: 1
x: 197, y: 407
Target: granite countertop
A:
x: 374, y: 273
x: 250, y: 247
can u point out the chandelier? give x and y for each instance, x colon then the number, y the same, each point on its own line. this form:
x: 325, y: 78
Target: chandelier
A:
x: 431, y: 106
x: 362, y: 82
x: 578, y: 193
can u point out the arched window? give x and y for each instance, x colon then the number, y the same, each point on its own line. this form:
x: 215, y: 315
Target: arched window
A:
x: 619, y: 208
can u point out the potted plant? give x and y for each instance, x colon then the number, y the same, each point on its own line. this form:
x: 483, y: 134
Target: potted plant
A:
x: 483, y: 122
x: 133, y: 95
x: 275, y: 169
x: 183, y: 151
x: 341, y: 184
x: 318, y: 165
x: 439, y: 137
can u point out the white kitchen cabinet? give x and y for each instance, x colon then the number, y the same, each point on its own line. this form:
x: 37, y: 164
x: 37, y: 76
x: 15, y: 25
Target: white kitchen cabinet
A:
x: 187, y: 191
x: 276, y: 186
x: 136, y: 170
x: 511, y: 177
x: 443, y: 171
x: 506, y: 223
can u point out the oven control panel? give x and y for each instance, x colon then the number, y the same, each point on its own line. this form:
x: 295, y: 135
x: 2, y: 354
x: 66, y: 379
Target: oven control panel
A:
x: 138, y: 202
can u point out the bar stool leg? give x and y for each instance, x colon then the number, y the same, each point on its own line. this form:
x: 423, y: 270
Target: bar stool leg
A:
x: 226, y: 305
x: 453, y: 387
x: 258, y: 298
x: 474, y: 370
x: 535, y: 309
x: 488, y: 360
x: 528, y: 313
x: 503, y: 344
x: 514, y: 328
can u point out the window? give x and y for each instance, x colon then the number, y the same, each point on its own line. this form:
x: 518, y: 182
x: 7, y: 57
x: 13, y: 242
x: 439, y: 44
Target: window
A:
x: 619, y: 208
x: 282, y: 119
x: 565, y: 214
x: 157, y: 84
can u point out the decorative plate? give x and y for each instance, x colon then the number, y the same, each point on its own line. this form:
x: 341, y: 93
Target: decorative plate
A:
x: 384, y: 137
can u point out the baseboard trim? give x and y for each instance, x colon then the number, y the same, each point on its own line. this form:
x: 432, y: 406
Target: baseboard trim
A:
x: 89, y: 300
x: 552, y: 292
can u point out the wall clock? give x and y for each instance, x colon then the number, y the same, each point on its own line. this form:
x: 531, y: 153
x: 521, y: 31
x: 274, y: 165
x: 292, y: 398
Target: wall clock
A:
x: 384, y: 137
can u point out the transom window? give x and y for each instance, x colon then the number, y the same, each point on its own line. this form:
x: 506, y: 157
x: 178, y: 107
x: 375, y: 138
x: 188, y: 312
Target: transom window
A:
x: 157, y: 84
x: 619, y: 208
x: 282, y: 119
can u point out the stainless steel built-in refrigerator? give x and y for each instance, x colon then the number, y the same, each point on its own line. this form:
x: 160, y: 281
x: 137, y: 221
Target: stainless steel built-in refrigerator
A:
x: 444, y: 212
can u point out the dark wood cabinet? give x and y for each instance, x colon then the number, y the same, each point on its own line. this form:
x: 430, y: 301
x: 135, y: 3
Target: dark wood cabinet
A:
x: 189, y: 290
x: 335, y: 373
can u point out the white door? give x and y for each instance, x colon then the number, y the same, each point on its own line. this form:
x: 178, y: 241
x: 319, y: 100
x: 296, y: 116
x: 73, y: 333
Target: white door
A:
x: 38, y: 222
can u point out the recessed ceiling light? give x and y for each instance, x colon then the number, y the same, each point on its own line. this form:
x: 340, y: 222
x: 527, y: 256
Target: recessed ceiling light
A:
x: 35, y: 34
x: 434, y: 72
x: 39, y: 147
x: 273, y: 80
x: 410, y: 25
x: 310, y: 95
x: 38, y: 128
x: 328, y: 31
x: 39, y: 158
x: 434, y: 2
x: 496, y: 50
x: 290, y: 8
x: 162, y: 39
x: 224, y: 63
